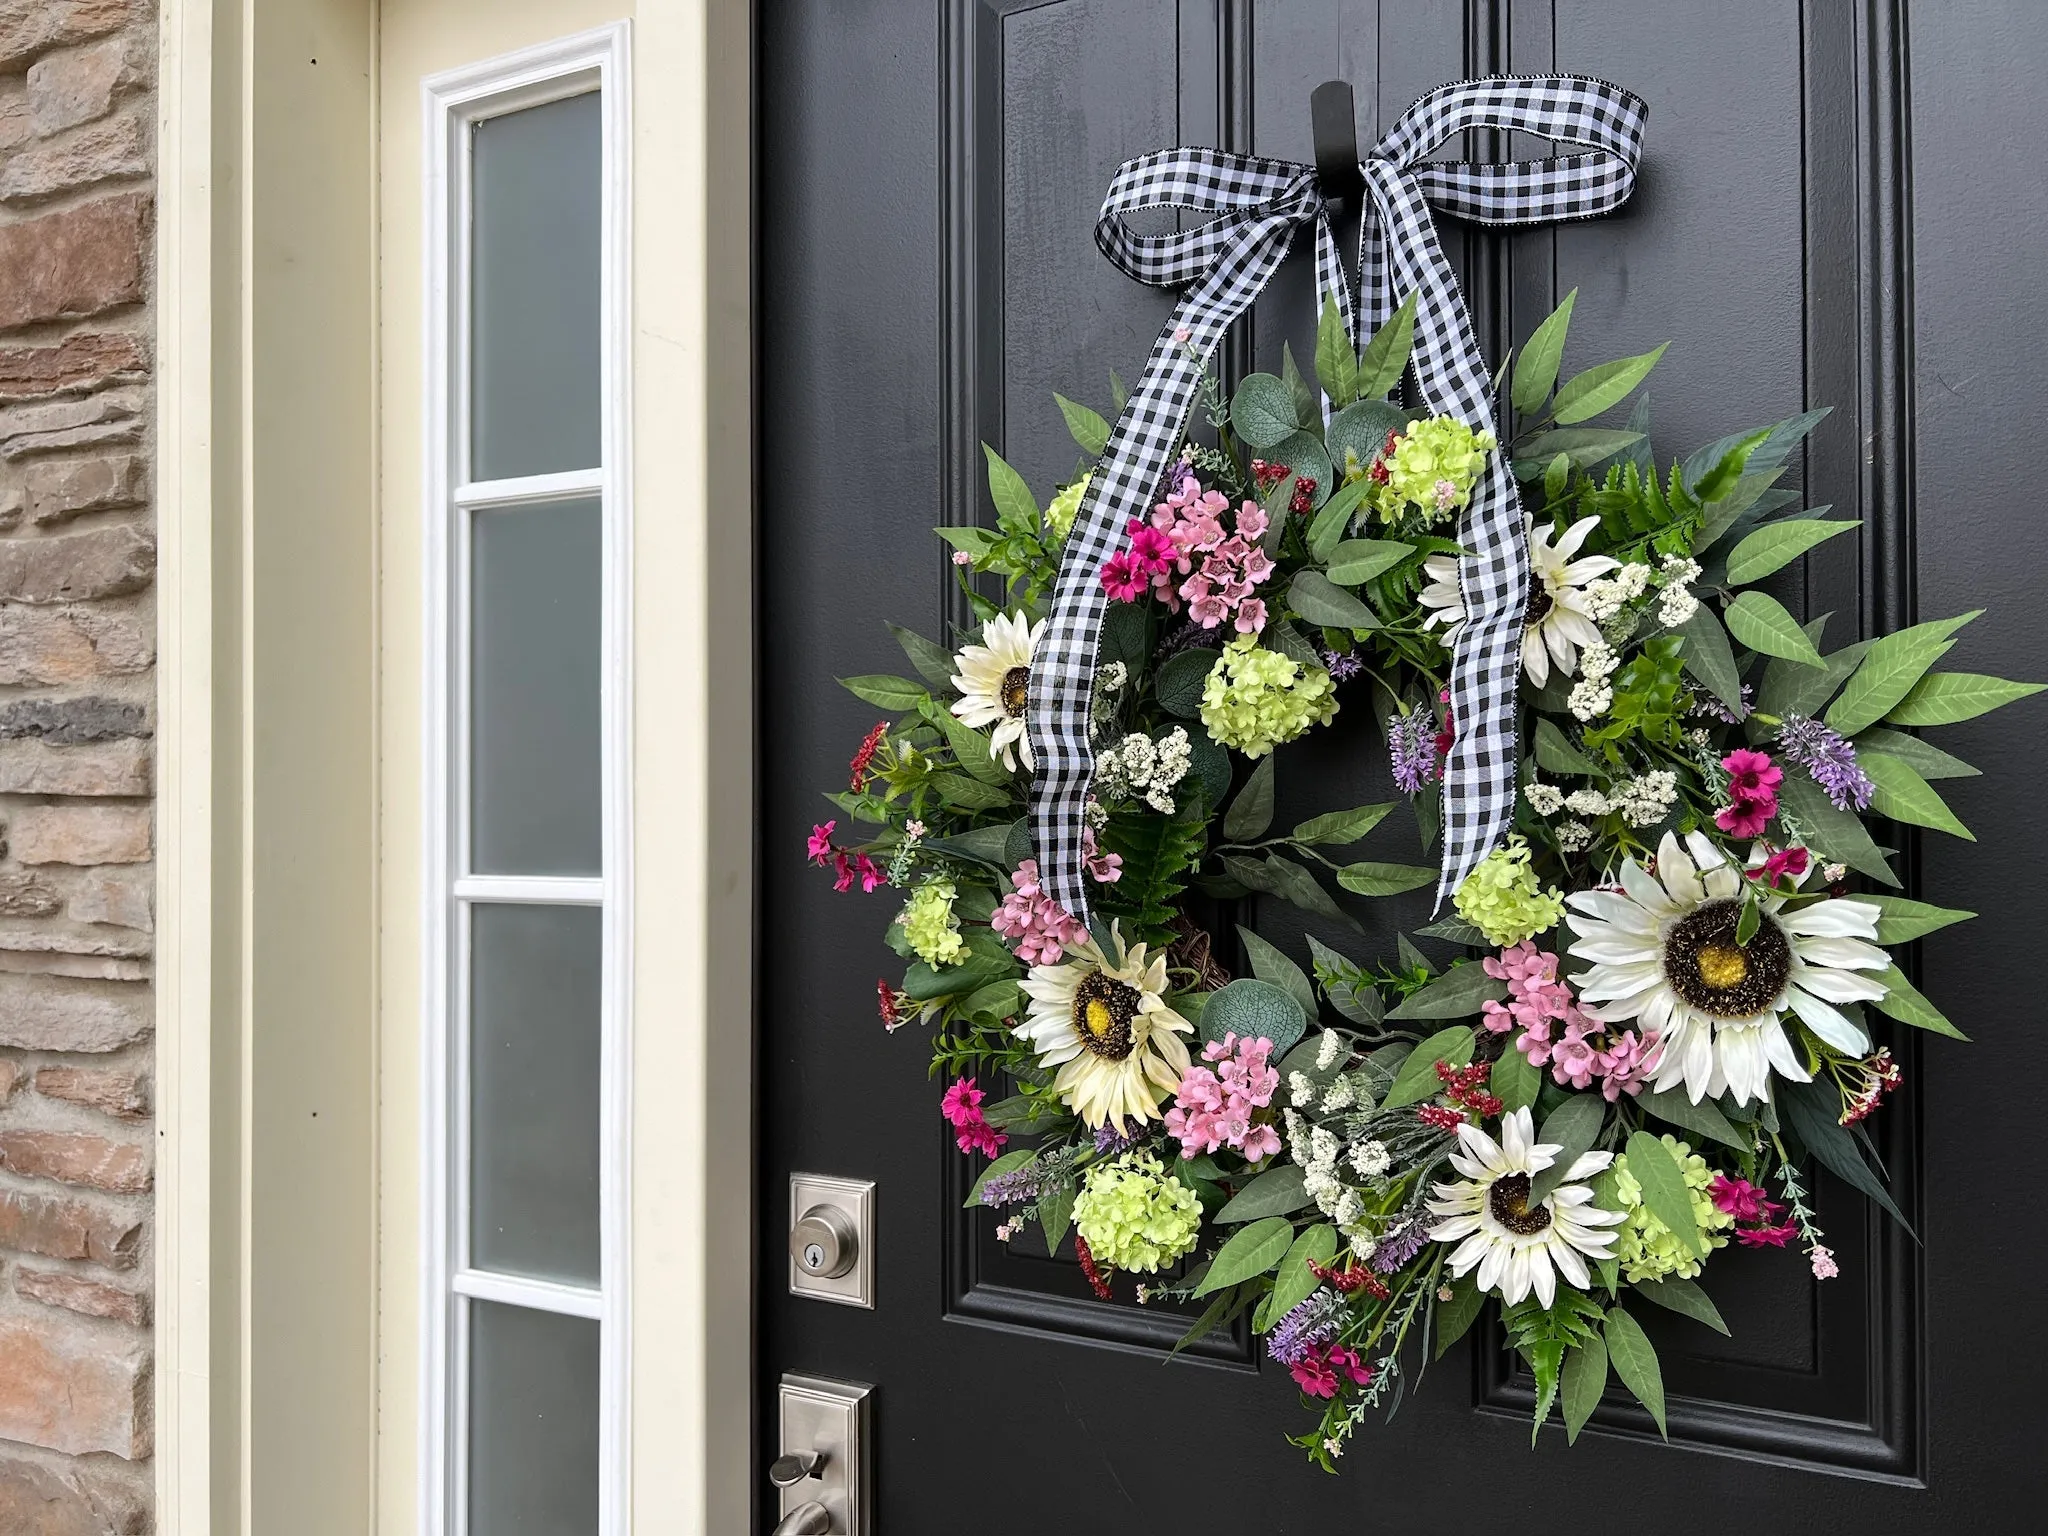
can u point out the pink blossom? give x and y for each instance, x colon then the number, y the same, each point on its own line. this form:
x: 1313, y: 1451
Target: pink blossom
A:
x: 962, y: 557
x: 1313, y: 1375
x: 1630, y: 1059
x: 1348, y: 1361
x: 843, y: 871
x: 1252, y: 521
x: 1578, y: 1048
x: 820, y: 846
x: 1042, y: 929
x: 1104, y: 868
x: 871, y: 874
x: 1251, y: 616
x: 962, y: 1108
x: 1766, y: 1237
x: 1824, y: 1265
x: 1153, y: 549
x: 1746, y: 818
x: 1786, y: 863
x: 1753, y: 781
x: 1216, y: 1101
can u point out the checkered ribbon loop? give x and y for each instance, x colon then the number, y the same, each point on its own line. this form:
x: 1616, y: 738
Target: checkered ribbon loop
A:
x: 1222, y: 266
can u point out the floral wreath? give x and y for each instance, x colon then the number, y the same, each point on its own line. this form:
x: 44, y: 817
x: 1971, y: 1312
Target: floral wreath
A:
x: 1685, y: 934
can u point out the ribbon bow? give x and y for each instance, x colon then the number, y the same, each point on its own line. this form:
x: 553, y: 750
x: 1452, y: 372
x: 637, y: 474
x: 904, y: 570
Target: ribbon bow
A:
x: 1223, y: 265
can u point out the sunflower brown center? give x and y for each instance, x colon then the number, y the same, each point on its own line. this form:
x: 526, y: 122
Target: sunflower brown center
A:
x: 1509, y: 1202
x: 1103, y: 1010
x: 1015, y: 691
x: 1540, y: 603
x: 1721, y: 978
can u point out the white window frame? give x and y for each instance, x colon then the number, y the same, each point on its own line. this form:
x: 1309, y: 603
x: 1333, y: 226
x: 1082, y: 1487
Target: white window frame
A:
x: 452, y: 102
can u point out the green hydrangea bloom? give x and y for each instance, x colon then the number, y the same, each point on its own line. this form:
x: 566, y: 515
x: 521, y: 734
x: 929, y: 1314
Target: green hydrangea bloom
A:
x: 1649, y: 1250
x: 1504, y: 900
x: 928, y: 922
x: 1059, y: 515
x: 1433, y: 467
x: 1135, y: 1216
x: 1254, y: 699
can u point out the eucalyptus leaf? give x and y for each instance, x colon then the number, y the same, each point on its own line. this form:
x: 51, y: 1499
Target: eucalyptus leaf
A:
x: 1554, y: 754
x: 1257, y: 1249
x: 1262, y: 411
x: 933, y: 662
x: 1904, y: 1001
x: 1708, y: 656
x: 1417, y: 1079
x: 1359, y: 432
x: 1702, y: 1119
x: 1304, y: 453
x: 896, y: 694
x: 1337, y: 827
x: 1923, y: 757
x: 1251, y: 1007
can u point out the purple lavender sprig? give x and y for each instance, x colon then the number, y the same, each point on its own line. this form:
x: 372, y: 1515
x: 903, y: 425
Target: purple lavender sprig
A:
x: 1823, y: 753
x: 1395, y: 1251
x: 1307, y: 1328
x: 1341, y: 665
x: 1411, y: 745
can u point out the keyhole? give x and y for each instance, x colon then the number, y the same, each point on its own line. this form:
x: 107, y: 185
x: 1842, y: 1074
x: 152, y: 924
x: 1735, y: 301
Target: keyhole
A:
x: 814, y: 1256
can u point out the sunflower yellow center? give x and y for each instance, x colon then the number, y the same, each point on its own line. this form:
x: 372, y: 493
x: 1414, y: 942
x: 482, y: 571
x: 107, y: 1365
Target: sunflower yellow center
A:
x: 1721, y: 978
x: 1508, y: 1200
x: 1103, y: 1010
x: 1015, y: 691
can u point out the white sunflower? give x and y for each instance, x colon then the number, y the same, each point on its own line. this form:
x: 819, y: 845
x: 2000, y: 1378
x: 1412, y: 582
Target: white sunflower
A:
x: 1518, y: 1248
x: 994, y: 683
x: 1557, y: 623
x: 1105, y: 1025
x: 1663, y: 952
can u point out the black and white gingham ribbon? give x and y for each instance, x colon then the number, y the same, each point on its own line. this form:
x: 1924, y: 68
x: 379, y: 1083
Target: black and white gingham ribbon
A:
x: 1224, y: 264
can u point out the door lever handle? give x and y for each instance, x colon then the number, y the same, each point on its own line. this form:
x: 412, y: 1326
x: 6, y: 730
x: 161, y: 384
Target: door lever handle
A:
x: 812, y: 1519
x: 788, y: 1471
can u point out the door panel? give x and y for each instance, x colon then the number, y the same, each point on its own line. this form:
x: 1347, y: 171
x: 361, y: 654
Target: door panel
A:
x: 1769, y: 241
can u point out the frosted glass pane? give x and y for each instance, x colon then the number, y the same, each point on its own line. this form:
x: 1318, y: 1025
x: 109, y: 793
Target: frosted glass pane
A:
x: 534, y: 669
x: 534, y: 313
x: 532, y: 1422
x: 535, y: 985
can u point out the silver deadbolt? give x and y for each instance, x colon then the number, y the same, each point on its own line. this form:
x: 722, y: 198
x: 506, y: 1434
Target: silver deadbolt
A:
x: 824, y: 1242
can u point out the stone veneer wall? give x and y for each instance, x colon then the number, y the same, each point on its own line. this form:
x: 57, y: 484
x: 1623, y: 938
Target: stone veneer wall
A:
x: 77, y: 652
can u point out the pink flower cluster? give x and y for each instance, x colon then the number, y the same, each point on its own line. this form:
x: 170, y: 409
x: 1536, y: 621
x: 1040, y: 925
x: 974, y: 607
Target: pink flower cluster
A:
x: 1317, y: 1373
x: 1215, y: 1103
x: 847, y: 867
x: 971, y: 1131
x: 1578, y: 1048
x: 1042, y: 930
x: 1746, y: 1202
x: 1785, y: 864
x: 1186, y: 553
x: 1753, y: 781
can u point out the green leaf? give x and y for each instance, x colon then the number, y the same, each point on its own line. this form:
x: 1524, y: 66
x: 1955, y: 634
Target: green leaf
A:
x: 982, y: 845
x: 1905, y: 1002
x: 934, y: 664
x: 1251, y: 1007
x: 1252, y: 811
x: 1349, y: 987
x: 1316, y: 598
x: 1581, y: 446
x: 1572, y: 1128
x: 1356, y: 561
x: 1371, y: 878
x: 1456, y: 1316
x: 1417, y: 1079
x: 968, y: 794
x: 1545, y: 1356
x: 1762, y: 460
x: 1792, y: 688
x: 1285, y: 639
x: 1456, y: 994
x: 1835, y: 834
x: 1276, y: 1192
x: 1009, y: 1162
x: 1585, y: 1381
x: 1663, y: 1185
x: 1811, y: 1111
x: 1455, y: 930
x: 976, y: 541
x: 1925, y: 758
x: 1016, y: 511
x: 1384, y: 358
x: 969, y: 746
x: 1635, y: 1361
x: 884, y: 691
x: 1055, y: 1216
x: 1900, y: 921
x: 1890, y: 668
x: 1327, y: 529
x: 1904, y: 796
x: 1587, y: 394
x: 997, y: 1000
x: 1708, y: 657
x: 1677, y: 1294
x: 987, y: 961
x: 1178, y: 684
x: 1760, y: 622
x: 1336, y: 363
x: 1307, y: 408
x: 1943, y: 698
x: 1289, y: 881
x: 1086, y: 427
x: 1516, y: 1080
x: 1359, y: 431
x: 1262, y: 411
x: 1554, y: 754
x: 1336, y: 827
x: 1536, y: 368
x: 1271, y: 965
x: 1777, y: 545
x: 1258, y: 1248
x: 1296, y: 1282
x: 1702, y: 1119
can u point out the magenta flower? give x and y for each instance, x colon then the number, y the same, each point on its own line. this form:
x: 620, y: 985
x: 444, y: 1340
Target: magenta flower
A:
x: 1786, y: 863
x: 1216, y: 1102
x: 1752, y: 775
x: 1123, y: 578
x: 820, y: 846
x: 962, y: 1108
x: 1741, y: 1199
x: 1766, y: 1237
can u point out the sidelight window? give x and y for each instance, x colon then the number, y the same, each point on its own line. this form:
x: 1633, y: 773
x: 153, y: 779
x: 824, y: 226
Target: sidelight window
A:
x: 526, y: 816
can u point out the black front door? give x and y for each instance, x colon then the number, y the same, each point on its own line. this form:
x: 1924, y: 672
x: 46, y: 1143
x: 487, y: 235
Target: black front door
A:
x: 1840, y: 205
